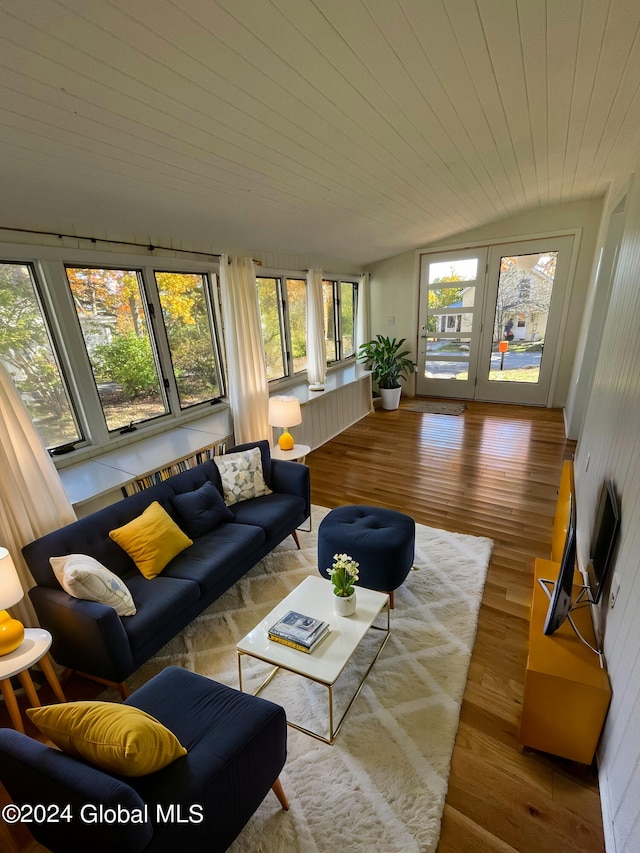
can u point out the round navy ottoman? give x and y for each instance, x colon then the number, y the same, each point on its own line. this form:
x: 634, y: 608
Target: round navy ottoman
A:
x: 381, y: 540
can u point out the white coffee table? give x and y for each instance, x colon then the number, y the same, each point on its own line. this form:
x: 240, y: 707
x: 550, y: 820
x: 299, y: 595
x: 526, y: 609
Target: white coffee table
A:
x: 314, y: 597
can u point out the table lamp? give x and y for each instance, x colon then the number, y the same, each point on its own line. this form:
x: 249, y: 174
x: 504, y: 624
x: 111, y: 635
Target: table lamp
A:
x: 285, y: 412
x: 11, y: 592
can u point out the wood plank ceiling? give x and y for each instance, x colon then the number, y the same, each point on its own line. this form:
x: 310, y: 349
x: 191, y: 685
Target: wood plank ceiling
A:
x: 352, y: 129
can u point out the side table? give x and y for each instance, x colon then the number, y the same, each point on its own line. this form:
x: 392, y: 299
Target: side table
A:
x: 297, y: 454
x: 33, y: 649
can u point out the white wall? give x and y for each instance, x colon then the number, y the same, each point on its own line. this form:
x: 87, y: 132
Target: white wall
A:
x: 611, y: 438
x: 395, y: 281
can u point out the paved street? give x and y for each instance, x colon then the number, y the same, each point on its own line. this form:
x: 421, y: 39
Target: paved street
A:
x: 512, y: 361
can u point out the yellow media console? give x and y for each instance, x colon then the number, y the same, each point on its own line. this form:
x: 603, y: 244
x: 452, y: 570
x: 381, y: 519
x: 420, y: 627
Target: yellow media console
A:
x: 566, y: 691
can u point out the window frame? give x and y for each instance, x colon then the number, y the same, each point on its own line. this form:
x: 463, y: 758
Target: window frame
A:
x: 39, y: 292
x: 54, y: 294
x: 149, y: 314
x: 336, y: 280
x: 283, y: 324
x: 209, y: 290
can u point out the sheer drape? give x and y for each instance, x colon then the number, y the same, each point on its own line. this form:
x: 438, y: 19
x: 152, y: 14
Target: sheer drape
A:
x: 248, y: 389
x: 363, y: 324
x: 316, y: 345
x: 32, y: 499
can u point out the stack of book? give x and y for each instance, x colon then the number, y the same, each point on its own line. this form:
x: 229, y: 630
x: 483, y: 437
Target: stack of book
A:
x: 299, y: 631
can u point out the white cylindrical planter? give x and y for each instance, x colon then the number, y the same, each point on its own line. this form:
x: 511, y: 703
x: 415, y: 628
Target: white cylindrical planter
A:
x: 390, y: 397
x: 344, y: 606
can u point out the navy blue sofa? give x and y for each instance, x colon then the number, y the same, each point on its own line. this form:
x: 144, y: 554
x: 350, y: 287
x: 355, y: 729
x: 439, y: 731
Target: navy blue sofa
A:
x: 236, y: 747
x: 90, y: 638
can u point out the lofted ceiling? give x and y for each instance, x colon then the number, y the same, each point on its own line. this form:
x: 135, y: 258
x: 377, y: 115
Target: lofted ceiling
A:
x: 351, y: 129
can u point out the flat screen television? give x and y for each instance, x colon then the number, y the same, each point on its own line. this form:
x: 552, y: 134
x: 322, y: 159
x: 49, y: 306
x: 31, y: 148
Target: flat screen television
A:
x: 603, y: 540
x: 560, y: 598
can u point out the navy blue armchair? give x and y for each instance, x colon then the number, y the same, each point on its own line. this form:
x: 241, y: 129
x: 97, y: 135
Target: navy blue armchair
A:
x: 236, y: 748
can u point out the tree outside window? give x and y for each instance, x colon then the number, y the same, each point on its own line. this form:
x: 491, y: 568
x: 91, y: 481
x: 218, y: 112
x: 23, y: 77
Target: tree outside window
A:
x: 269, y: 302
x: 297, y: 315
x: 188, y: 323
x: 347, y: 310
x: 110, y: 309
x: 28, y: 355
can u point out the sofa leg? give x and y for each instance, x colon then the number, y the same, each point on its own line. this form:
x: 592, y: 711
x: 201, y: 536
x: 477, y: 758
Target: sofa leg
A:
x: 391, y: 603
x: 294, y: 533
x: 278, y: 790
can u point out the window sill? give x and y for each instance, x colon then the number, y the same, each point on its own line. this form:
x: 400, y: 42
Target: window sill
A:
x: 95, y: 479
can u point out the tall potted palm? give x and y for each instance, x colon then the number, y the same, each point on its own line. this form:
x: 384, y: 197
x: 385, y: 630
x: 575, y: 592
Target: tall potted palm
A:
x: 389, y: 366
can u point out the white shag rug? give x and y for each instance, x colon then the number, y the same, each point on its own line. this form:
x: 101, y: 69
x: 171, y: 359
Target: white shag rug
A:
x: 382, y: 785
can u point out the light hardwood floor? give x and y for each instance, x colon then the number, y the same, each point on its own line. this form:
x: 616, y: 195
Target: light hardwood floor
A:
x: 493, y: 471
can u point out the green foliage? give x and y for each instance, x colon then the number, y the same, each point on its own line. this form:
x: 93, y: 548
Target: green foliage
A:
x: 389, y: 366
x: 26, y: 351
x: 127, y: 360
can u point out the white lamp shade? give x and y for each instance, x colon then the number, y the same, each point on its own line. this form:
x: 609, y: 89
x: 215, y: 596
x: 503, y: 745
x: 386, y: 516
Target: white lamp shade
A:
x: 11, y: 591
x: 284, y: 411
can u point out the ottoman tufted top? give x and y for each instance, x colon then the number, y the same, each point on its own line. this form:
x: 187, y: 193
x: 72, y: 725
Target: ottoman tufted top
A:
x: 381, y: 540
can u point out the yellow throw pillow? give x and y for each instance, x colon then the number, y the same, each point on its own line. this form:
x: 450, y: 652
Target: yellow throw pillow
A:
x: 151, y: 540
x: 116, y: 738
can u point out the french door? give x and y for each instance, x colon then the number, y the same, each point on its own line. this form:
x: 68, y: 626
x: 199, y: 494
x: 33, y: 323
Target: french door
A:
x: 490, y: 320
x: 451, y: 301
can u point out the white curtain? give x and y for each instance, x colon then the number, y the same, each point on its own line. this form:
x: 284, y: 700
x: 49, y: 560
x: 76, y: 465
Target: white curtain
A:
x: 32, y: 499
x: 363, y: 316
x: 316, y: 345
x: 248, y: 387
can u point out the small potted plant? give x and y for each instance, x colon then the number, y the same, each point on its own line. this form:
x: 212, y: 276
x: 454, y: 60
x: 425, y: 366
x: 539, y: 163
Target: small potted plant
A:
x: 344, y: 574
x: 389, y: 366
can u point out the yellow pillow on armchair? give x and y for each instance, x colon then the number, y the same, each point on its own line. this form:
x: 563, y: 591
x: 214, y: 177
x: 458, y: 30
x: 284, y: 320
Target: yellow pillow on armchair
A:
x: 116, y: 738
x: 151, y: 540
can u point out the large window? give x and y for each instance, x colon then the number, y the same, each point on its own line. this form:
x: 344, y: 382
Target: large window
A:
x: 271, y: 318
x: 296, y: 307
x: 347, y: 313
x: 105, y: 347
x: 339, y: 312
x: 95, y: 350
x: 187, y: 314
x: 111, y: 311
x: 283, y: 315
x: 29, y: 356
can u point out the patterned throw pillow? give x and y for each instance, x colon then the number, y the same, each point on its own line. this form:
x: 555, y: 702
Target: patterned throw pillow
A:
x: 84, y: 577
x: 241, y: 475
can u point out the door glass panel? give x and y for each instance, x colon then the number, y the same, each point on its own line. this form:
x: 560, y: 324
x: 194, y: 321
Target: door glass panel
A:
x: 445, y: 297
x: 454, y: 322
x: 448, y: 346
x: 525, y: 286
x: 465, y: 269
x: 447, y: 369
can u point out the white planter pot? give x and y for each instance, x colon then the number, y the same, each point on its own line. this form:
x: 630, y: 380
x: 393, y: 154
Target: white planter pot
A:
x: 344, y: 606
x: 390, y: 397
